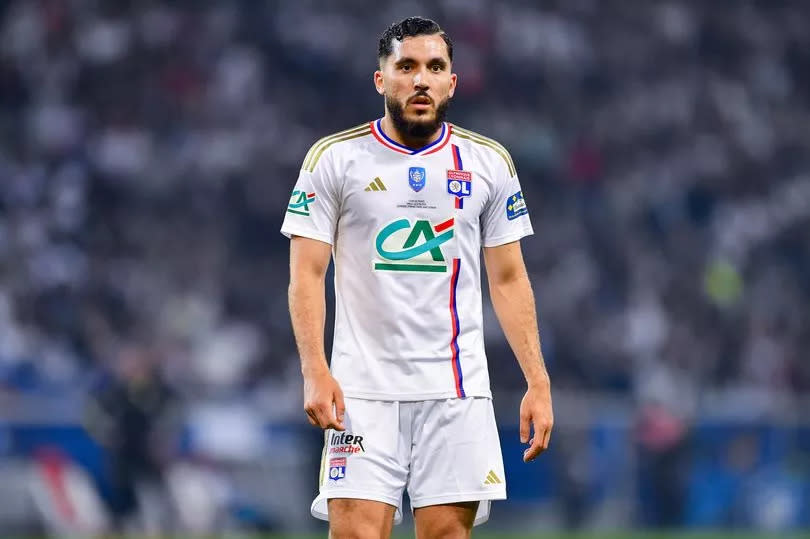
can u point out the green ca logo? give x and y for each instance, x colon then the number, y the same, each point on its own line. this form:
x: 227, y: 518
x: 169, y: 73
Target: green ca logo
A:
x: 403, y: 246
x: 300, y: 201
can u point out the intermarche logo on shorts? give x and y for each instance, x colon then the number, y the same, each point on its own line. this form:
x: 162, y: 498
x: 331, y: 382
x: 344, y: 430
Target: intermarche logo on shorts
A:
x: 345, y: 443
x: 492, y: 479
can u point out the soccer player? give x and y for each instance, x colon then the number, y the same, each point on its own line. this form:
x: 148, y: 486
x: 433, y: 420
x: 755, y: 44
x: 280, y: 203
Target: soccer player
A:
x: 404, y: 204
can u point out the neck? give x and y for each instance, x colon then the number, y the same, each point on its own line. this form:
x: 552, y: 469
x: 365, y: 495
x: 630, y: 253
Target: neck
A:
x: 393, y: 133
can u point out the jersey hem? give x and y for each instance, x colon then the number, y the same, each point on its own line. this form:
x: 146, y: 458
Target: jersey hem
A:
x: 509, y: 238
x: 289, y: 232
x: 406, y: 397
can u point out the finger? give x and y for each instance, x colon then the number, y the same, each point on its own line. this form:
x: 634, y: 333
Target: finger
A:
x: 533, y: 450
x: 322, y: 417
x: 340, y: 407
x: 546, y: 438
x: 326, y: 417
x: 333, y: 423
x: 311, y: 419
x: 524, y: 428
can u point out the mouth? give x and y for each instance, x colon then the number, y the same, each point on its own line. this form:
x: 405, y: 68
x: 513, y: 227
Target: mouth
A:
x: 421, y: 102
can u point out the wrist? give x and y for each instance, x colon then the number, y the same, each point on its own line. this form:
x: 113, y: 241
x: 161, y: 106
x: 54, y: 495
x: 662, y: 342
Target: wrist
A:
x: 539, y: 381
x: 315, y: 369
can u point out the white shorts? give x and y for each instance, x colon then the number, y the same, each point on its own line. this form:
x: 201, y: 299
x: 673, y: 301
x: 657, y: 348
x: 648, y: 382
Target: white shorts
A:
x: 443, y: 451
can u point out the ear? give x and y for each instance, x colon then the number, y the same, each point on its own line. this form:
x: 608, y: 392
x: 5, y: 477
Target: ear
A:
x: 378, y: 82
x: 453, y: 81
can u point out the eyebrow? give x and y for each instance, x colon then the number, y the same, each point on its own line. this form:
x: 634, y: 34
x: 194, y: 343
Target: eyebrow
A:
x: 407, y: 60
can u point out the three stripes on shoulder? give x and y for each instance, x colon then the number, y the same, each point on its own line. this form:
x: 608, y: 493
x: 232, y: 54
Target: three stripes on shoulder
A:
x: 319, y: 147
x: 489, y: 143
x: 364, y: 129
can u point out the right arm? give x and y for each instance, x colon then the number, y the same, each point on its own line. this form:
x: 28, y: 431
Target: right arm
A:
x: 323, y: 398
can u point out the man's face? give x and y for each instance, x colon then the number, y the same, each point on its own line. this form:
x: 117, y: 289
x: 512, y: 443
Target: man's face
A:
x: 417, y: 84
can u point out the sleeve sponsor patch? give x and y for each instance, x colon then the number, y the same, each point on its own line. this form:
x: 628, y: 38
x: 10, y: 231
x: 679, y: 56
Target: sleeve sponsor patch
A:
x: 299, y: 202
x: 516, y: 206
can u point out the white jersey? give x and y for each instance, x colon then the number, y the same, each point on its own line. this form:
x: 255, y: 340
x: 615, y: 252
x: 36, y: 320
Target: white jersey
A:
x: 406, y: 228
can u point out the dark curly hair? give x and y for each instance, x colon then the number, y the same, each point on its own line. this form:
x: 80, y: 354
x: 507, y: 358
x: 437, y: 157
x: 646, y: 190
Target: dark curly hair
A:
x: 412, y: 26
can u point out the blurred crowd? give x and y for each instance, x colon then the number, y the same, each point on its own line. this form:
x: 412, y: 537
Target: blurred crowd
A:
x: 147, y: 150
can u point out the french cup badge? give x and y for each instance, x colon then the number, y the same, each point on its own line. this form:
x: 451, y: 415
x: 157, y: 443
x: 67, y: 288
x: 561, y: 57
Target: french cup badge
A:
x: 417, y: 178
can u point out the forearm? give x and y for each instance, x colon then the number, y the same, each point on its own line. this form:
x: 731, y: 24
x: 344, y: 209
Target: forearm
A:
x: 513, y: 301
x: 308, y: 313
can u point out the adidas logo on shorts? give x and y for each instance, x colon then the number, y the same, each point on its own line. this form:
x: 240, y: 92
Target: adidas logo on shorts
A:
x: 492, y: 479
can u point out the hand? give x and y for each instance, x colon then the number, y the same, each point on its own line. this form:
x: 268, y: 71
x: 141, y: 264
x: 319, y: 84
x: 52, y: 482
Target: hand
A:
x: 323, y: 401
x: 535, y: 410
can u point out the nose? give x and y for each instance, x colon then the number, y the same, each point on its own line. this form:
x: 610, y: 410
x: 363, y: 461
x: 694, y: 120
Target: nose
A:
x: 420, y: 80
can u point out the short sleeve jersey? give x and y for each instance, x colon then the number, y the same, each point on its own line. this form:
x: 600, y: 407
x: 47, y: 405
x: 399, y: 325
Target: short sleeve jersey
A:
x: 406, y: 228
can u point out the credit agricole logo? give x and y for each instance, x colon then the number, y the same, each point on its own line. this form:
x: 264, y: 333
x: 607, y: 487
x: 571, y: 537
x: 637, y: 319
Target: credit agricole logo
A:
x: 299, y: 202
x: 403, y: 245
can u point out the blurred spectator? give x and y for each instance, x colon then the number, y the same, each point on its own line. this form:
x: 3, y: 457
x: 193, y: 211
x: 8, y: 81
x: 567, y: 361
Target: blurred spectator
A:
x: 130, y: 415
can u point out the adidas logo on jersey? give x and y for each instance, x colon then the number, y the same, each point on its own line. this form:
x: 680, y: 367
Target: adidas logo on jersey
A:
x: 492, y: 479
x: 376, y: 185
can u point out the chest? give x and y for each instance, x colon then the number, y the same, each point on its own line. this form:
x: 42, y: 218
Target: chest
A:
x: 388, y: 187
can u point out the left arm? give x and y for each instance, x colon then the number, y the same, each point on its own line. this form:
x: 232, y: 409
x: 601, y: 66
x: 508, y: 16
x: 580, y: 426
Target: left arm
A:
x: 513, y: 301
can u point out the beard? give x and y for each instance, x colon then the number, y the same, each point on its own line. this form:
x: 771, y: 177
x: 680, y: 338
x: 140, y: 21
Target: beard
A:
x: 419, y: 129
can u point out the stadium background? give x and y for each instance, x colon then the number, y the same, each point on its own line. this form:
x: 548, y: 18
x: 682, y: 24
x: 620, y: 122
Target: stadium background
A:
x: 147, y: 151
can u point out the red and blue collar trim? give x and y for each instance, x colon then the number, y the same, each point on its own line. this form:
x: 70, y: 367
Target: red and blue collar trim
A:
x: 435, y: 146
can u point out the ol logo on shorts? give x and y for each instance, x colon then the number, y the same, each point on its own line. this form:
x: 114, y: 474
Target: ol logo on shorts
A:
x: 337, y: 468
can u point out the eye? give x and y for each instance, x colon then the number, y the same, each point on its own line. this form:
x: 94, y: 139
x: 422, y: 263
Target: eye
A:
x: 436, y: 68
x: 405, y: 68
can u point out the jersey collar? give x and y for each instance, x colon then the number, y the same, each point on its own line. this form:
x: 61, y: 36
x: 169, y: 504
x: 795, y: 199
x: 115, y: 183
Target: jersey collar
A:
x: 435, y: 146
